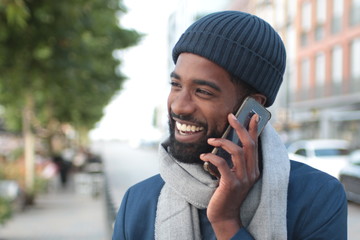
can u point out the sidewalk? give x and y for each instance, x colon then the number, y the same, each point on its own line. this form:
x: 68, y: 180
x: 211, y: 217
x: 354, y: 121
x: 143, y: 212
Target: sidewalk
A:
x: 64, y: 214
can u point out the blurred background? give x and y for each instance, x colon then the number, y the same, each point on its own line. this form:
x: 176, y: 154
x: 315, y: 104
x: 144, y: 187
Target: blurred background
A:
x: 83, y: 88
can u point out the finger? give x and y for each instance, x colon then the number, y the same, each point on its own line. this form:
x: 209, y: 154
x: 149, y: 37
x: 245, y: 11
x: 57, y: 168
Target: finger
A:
x: 232, y: 148
x: 253, y: 143
x: 236, y: 152
x: 245, y: 136
x: 253, y: 126
x: 239, y: 128
x: 219, y: 163
x: 249, y: 156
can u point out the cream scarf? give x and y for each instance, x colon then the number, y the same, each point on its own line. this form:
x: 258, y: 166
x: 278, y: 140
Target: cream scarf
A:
x: 189, y: 188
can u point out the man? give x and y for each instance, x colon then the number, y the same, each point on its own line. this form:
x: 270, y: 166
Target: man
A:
x: 220, y: 60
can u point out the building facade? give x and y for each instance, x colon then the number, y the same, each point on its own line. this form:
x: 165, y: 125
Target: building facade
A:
x: 325, y: 100
x: 320, y: 95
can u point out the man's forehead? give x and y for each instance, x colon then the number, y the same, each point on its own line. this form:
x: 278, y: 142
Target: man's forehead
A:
x: 194, y: 63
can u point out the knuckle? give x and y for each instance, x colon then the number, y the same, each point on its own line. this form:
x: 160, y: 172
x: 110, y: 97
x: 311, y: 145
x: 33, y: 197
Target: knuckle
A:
x: 245, y: 181
x: 237, y: 152
x: 255, y: 176
x: 236, y: 185
x: 222, y: 163
x: 252, y: 144
x: 220, y: 142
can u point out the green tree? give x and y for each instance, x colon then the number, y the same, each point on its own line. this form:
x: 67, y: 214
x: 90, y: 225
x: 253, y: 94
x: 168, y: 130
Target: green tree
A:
x: 57, y: 64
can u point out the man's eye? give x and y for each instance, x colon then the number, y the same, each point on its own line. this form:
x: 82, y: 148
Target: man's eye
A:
x: 175, y: 84
x: 204, y: 92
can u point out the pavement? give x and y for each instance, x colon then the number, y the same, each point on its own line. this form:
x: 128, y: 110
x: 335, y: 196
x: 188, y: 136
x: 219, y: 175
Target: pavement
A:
x: 353, y: 221
x: 61, y: 214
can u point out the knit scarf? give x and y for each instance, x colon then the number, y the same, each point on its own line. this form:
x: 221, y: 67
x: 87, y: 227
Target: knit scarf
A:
x: 189, y: 188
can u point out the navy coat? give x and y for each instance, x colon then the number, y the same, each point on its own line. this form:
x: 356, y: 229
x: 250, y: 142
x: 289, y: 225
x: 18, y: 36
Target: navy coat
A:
x: 316, y: 208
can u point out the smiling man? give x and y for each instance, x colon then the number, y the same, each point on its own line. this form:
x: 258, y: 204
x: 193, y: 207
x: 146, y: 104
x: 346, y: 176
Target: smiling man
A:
x: 199, y: 103
x: 220, y: 60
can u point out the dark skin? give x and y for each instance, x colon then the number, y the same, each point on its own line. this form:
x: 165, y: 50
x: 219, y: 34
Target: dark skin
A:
x: 204, y: 90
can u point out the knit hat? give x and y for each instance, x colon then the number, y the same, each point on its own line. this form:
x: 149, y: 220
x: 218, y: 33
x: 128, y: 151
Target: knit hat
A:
x: 244, y: 45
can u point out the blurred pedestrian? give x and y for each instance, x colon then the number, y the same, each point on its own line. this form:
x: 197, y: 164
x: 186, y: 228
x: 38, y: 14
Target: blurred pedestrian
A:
x: 63, y: 167
x: 220, y: 60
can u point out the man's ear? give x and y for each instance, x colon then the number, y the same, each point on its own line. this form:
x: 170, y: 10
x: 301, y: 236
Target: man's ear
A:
x: 259, y: 98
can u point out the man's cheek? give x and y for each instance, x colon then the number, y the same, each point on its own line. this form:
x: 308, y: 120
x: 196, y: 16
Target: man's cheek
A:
x: 221, y: 128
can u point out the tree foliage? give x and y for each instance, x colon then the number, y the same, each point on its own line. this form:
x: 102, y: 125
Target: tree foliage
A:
x: 59, y: 55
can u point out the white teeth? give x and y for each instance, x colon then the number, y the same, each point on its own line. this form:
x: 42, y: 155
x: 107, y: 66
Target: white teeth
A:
x: 188, y: 128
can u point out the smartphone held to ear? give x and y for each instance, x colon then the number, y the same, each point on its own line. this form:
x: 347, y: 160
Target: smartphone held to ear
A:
x: 248, y: 108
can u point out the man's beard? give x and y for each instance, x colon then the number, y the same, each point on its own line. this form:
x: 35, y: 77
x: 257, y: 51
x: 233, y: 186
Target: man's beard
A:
x: 190, y: 152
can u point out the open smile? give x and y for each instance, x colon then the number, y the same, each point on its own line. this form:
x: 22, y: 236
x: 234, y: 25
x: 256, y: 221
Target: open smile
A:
x: 187, y: 132
x: 187, y: 129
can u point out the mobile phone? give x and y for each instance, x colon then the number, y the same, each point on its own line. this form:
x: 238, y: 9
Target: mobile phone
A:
x: 248, y: 108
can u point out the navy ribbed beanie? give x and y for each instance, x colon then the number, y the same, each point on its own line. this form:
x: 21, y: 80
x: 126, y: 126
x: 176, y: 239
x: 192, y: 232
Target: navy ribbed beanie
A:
x: 244, y: 45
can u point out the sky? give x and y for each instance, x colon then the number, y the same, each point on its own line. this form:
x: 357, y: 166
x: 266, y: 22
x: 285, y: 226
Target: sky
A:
x: 129, y: 115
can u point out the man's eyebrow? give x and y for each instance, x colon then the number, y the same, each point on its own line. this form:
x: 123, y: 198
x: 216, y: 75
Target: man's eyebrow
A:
x: 199, y: 82
x: 174, y: 75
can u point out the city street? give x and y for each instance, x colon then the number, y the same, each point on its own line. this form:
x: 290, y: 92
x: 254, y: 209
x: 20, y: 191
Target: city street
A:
x: 125, y: 166
x: 60, y: 214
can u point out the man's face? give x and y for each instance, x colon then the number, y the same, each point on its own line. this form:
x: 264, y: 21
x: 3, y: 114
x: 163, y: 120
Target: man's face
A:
x: 201, y: 97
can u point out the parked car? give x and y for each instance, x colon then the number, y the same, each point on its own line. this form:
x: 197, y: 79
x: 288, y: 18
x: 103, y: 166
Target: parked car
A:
x: 327, y: 155
x: 350, y: 177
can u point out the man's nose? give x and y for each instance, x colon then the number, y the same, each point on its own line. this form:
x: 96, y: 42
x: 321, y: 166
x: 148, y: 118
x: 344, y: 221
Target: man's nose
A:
x: 183, y: 104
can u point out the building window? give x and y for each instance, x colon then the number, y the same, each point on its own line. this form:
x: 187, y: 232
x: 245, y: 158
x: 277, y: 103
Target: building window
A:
x: 320, y: 74
x: 291, y: 68
x: 354, y: 65
x: 338, y: 11
x: 337, y: 69
x: 263, y: 3
x: 305, y: 78
x: 305, y: 22
x: 280, y: 16
x: 320, y: 19
x: 355, y: 12
x: 291, y: 9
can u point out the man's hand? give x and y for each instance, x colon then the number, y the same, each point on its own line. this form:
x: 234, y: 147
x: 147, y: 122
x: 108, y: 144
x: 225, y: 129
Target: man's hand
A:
x: 235, y: 183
